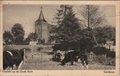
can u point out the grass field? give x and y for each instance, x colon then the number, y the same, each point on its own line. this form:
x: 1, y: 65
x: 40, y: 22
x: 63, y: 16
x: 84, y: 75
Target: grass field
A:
x: 42, y: 61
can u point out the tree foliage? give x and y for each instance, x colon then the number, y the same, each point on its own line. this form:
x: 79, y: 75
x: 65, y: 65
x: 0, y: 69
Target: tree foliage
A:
x: 104, y: 34
x: 92, y: 16
x: 18, y: 33
x: 7, y: 37
x: 68, y: 31
x: 32, y: 36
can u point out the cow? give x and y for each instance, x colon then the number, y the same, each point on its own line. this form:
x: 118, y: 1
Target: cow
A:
x: 70, y: 57
x: 12, y: 58
x: 73, y: 56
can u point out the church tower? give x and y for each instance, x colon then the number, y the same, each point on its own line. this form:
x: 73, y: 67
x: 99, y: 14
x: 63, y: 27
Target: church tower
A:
x: 42, y: 28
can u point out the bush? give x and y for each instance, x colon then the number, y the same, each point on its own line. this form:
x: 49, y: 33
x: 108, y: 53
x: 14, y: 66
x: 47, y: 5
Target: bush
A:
x: 100, y: 50
x: 103, y: 50
x: 111, y: 54
x: 111, y: 61
x: 104, y: 56
x: 102, y: 59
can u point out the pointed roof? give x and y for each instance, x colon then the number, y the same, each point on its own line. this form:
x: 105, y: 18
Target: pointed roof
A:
x: 41, y: 16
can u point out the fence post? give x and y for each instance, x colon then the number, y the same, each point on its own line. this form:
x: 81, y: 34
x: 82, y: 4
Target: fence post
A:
x: 24, y: 60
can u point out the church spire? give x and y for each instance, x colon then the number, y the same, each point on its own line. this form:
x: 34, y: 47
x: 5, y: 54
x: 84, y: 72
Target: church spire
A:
x: 41, y: 16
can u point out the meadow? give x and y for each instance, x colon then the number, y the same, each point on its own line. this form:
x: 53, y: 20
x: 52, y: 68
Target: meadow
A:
x: 42, y: 60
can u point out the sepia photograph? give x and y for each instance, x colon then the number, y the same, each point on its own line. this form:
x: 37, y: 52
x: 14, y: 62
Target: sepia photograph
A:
x: 59, y: 37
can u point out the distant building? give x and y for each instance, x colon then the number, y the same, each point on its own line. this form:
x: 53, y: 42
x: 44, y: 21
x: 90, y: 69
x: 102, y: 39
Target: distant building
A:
x: 42, y: 28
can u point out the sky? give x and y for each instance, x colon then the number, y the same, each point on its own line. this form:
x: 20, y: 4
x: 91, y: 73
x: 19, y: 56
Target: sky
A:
x: 26, y: 15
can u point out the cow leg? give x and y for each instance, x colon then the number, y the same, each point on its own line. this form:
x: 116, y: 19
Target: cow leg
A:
x: 72, y: 60
x: 18, y: 68
x: 86, y: 62
x: 82, y: 61
x: 14, y: 67
x: 10, y: 68
x: 63, y: 62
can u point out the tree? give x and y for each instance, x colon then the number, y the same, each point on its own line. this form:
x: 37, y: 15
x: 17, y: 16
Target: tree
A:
x: 103, y: 34
x: 86, y: 42
x: 18, y: 33
x: 68, y: 31
x: 93, y: 18
x: 52, y: 31
x: 32, y: 36
x: 7, y: 37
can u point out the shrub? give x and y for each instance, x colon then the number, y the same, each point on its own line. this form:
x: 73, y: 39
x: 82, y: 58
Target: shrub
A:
x: 104, y: 56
